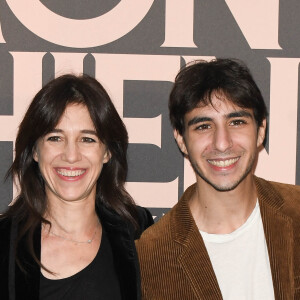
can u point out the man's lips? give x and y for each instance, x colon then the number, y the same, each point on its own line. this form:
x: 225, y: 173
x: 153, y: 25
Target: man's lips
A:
x: 223, y: 163
x: 70, y: 173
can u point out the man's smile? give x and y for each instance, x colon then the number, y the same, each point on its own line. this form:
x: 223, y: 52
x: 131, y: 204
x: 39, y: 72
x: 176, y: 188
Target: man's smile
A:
x: 223, y: 163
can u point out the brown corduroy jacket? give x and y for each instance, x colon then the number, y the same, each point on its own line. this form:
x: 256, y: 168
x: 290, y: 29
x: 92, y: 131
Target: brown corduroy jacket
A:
x: 175, y: 263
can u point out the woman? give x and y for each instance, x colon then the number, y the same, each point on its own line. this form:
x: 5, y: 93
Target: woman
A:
x: 70, y: 232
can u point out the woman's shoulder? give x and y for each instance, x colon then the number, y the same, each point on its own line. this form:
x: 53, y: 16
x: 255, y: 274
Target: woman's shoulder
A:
x: 145, y: 219
x: 114, y: 223
x: 5, y: 224
x: 5, y: 228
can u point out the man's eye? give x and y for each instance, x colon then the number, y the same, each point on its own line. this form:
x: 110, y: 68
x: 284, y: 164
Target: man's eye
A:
x: 237, y: 122
x: 54, y: 138
x: 203, y: 127
x: 88, y: 140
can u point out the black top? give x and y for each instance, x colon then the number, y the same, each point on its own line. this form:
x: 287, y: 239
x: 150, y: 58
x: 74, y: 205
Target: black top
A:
x: 15, y: 284
x: 97, y: 281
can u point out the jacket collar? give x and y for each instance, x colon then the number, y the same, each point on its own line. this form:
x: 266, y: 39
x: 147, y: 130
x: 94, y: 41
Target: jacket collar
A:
x: 121, y: 237
x: 185, y: 232
x: 278, y: 232
x: 279, y: 238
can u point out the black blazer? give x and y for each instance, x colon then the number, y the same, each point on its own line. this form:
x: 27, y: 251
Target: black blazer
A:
x: 15, y: 285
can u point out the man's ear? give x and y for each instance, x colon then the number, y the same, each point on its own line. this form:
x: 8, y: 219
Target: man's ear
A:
x: 180, y: 142
x: 261, y: 133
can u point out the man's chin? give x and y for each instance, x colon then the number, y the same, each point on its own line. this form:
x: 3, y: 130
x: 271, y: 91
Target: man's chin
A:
x: 225, y: 186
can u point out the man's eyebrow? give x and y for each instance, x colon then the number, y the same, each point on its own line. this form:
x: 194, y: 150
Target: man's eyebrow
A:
x: 235, y: 114
x: 239, y: 114
x: 197, y: 120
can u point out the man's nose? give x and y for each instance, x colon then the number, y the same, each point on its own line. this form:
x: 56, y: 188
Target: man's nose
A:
x: 222, y: 139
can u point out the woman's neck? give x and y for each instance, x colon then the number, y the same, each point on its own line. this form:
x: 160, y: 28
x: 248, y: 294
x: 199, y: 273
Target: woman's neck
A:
x: 71, y: 217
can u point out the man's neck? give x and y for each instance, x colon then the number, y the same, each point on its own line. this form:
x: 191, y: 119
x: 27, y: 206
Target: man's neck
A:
x: 223, y: 212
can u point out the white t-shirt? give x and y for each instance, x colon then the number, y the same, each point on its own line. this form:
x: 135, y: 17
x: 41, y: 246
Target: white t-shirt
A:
x: 241, y: 261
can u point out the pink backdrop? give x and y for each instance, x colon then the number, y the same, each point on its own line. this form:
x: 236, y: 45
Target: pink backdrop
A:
x: 135, y: 48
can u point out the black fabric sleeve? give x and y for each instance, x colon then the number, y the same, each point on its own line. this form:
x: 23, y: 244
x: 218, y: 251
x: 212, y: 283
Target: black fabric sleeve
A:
x: 145, y: 220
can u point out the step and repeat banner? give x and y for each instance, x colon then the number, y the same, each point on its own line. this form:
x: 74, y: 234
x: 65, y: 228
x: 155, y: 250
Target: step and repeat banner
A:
x: 135, y: 48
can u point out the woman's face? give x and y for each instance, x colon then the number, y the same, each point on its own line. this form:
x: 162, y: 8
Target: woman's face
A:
x: 71, y: 157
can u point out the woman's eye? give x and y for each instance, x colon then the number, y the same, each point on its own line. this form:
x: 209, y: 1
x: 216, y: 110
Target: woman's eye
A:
x: 54, y: 138
x: 88, y: 140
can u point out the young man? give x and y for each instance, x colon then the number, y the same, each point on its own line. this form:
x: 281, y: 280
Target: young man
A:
x: 231, y: 235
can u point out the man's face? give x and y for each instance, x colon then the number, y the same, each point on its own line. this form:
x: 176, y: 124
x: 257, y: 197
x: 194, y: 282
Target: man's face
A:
x: 221, y: 141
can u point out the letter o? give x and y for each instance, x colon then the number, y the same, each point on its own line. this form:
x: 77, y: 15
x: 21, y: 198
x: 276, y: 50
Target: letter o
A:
x: 80, y: 33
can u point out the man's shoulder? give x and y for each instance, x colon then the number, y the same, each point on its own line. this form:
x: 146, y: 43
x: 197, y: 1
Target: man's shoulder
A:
x: 290, y: 195
x: 177, y: 222
x: 287, y: 194
x: 157, y: 246
x: 157, y: 231
x: 287, y: 191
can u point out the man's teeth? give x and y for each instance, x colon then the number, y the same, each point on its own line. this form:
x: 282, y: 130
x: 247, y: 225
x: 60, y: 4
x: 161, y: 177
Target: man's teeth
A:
x: 223, y: 163
x: 70, y: 173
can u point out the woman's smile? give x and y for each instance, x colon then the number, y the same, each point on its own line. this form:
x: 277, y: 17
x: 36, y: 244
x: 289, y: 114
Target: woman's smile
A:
x: 70, y: 174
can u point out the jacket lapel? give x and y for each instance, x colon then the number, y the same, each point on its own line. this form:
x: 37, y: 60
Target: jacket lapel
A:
x: 27, y: 285
x: 279, y: 236
x: 120, y: 235
x: 193, y: 257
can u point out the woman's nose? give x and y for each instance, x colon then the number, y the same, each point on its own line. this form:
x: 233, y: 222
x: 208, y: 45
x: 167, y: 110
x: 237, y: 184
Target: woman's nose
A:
x: 71, y: 152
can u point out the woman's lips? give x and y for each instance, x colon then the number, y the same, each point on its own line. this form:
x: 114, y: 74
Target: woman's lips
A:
x: 70, y: 174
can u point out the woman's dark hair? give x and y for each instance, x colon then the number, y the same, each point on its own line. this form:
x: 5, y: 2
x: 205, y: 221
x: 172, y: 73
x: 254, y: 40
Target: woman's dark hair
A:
x: 41, y: 118
x: 195, y: 84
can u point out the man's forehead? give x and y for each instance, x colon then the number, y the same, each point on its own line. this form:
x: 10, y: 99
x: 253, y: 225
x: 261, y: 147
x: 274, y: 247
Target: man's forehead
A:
x: 217, y: 99
x: 216, y: 108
